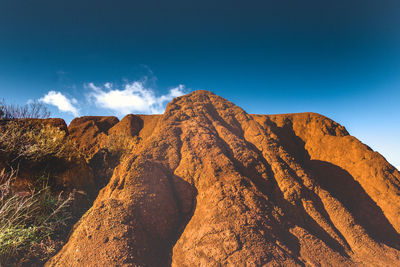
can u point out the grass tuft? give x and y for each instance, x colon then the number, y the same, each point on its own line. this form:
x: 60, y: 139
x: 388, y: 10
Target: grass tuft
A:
x: 120, y: 144
x: 31, y: 222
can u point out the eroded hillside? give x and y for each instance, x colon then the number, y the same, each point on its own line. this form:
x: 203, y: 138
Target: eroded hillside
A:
x: 208, y: 184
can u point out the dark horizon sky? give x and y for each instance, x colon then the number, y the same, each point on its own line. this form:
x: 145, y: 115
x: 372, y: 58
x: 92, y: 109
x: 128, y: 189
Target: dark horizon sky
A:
x: 337, y: 58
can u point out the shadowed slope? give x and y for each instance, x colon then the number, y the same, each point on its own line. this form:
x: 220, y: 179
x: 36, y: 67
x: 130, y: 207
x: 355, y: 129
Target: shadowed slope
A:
x: 325, y: 140
x: 213, y: 185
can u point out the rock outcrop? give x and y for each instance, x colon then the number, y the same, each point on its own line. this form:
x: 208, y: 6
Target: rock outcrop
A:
x: 211, y: 185
x: 130, y: 125
x: 90, y: 132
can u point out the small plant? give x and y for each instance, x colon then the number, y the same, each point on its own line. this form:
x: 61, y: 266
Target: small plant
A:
x: 31, y: 222
x: 120, y: 144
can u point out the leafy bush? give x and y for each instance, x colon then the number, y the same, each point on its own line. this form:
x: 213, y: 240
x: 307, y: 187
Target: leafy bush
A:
x: 32, y: 222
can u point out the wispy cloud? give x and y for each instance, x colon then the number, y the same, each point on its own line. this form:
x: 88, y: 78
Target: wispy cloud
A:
x: 133, y: 97
x: 61, y: 102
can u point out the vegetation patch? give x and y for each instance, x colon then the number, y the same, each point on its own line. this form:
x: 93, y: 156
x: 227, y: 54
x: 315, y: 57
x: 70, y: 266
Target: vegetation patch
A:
x: 120, y: 144
x: 31, y: 141
x: 35, y: 215
x: 32, y: 223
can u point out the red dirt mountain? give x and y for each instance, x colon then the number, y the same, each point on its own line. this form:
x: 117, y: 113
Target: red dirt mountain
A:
x: 209, y: 185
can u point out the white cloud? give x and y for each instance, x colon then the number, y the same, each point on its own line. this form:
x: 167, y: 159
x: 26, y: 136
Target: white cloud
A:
x: 61, y: 102
x: 134, y: 97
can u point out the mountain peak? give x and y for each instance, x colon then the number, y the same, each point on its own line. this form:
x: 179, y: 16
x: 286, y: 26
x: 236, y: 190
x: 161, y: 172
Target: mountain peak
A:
x: 209, y: 184
x: 197, y: 98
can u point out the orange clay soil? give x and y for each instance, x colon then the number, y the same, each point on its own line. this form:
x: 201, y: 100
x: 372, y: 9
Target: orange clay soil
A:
x: 90, y: 132
x: 210, y: 185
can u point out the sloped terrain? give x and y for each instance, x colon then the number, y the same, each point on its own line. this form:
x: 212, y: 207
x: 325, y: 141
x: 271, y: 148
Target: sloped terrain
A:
x: 89, y: 132
x: 209, y: 184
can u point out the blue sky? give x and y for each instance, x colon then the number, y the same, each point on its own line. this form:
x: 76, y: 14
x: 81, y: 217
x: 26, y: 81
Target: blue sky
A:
x: 338, y: 58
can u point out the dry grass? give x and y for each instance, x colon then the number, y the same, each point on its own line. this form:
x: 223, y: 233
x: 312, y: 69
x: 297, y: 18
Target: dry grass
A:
x: 21, y: 140
x: 31, y: 222
x: 120, y: 144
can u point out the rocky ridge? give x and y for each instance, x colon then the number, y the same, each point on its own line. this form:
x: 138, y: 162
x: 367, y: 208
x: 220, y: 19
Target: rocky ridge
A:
x: 209, y: 184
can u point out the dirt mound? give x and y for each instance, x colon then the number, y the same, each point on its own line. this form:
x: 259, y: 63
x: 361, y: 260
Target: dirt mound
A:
x: 129, y: 125
x: 136, y: 125
x: 213, y: 185
x: 89, y: 132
